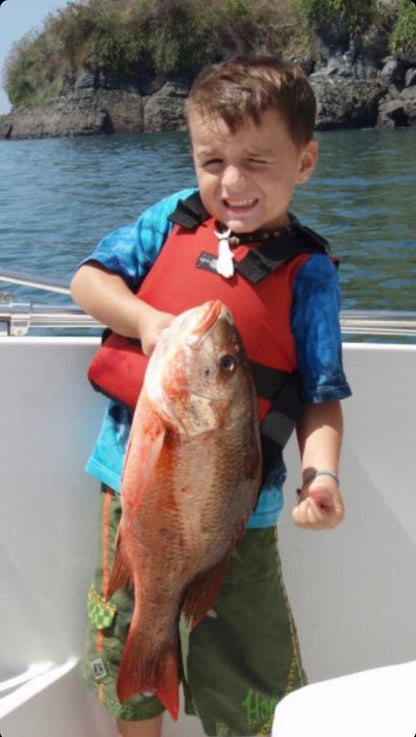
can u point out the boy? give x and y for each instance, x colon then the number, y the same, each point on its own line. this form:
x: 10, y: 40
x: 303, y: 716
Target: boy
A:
x: 251, y: 124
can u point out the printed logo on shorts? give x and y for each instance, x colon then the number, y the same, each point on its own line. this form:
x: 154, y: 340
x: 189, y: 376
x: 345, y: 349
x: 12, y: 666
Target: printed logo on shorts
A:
x: 259, y: 710
x: 98, y: 669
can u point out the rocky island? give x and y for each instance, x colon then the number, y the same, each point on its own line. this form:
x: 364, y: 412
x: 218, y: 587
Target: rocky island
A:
x: 361, y: 65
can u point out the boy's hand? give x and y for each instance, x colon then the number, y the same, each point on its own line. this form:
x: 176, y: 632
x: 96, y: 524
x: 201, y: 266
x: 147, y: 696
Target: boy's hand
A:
x: 320, y: 505
x: 151, y: 324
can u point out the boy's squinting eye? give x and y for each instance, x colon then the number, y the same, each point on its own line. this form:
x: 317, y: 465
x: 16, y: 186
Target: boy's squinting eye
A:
x: 257, y: 162
x: 211, y: 163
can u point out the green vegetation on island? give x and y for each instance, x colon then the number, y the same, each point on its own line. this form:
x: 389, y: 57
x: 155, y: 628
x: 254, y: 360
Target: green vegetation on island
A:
x: 127, y: 38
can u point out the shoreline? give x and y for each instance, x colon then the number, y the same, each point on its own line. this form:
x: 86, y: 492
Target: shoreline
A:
x: 350, y: 92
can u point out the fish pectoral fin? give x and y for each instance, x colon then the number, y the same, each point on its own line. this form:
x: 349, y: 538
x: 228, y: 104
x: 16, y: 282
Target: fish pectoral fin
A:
x: 143, y: 452
x: 155, y: 673
x: 204, y: 591
x: 120, y: 576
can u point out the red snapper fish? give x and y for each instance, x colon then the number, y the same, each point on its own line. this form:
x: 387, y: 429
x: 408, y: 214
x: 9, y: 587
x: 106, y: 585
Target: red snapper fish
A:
x: 190, y: 479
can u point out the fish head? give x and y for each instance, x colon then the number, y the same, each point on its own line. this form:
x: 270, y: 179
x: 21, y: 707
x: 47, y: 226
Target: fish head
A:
x: 199, y: 376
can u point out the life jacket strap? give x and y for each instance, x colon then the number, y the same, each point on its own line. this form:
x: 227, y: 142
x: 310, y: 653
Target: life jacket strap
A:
x: 269, y: 254
x: 190, y: 213
x: 280, y: 421
x: 268, y: 381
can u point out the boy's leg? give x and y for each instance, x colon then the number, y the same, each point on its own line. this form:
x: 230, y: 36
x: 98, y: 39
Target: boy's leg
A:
x: 147, y: 728
x: 107, y: 628
x: 244, y: 656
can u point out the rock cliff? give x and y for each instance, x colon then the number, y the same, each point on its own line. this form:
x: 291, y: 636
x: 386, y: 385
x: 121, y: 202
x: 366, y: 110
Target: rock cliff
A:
x: 354, y: 88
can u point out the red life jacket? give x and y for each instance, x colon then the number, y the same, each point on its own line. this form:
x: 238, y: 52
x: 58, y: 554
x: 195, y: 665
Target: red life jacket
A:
x: 259, y: 296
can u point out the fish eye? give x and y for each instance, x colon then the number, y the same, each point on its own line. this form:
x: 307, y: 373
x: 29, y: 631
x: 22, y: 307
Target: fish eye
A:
x: 228, y: 363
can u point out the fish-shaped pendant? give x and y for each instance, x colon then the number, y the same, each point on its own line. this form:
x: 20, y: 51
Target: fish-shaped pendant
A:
x: 225, y: 263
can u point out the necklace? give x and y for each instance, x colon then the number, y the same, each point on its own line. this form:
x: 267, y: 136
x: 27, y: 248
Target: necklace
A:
x: 228, y: 240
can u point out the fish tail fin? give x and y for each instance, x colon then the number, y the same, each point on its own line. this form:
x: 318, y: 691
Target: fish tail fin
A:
x: 167, y: 687
x: 120, y: 576
x: 156, y: 673
x: 203, y: 592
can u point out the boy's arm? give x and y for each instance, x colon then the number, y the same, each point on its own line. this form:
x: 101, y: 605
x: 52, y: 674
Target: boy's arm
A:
x: 105, y: 284
x: 106, y: 296
x: 319, y: 432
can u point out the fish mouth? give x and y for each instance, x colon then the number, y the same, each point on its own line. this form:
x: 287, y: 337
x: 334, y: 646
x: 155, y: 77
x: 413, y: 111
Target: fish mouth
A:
x: 207, y: 319
x: 198, y: 322
x: 212, y: 311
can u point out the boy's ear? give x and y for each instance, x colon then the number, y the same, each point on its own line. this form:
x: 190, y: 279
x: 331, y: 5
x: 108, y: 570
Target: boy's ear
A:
x: 308, y: 159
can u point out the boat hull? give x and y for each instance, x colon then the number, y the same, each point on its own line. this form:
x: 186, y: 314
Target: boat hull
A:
x: 350, y: 588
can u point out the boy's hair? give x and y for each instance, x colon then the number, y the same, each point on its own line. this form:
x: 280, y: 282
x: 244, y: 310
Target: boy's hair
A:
x: 248, y: 87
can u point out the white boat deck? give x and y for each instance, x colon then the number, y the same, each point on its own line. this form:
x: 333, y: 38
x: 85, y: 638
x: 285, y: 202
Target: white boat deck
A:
x: 352, y: 589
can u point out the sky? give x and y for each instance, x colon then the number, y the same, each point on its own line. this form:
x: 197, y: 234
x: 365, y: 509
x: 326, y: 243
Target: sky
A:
x: 17, y: 17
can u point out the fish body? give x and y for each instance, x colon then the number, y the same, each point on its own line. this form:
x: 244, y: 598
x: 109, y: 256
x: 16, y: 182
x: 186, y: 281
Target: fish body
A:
x: 190, y: 479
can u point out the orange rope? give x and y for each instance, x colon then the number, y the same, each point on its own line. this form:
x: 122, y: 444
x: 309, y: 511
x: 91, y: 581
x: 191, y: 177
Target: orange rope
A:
x: 105, y: 555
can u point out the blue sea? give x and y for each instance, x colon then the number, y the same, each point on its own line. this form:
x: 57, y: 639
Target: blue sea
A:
x: 58, y: 197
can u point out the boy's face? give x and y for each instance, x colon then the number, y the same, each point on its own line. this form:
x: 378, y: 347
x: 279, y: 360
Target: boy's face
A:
x: 247, y: 178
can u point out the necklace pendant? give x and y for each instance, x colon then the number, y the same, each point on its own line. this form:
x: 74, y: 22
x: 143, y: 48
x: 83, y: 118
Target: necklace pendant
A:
x: 225, y: 262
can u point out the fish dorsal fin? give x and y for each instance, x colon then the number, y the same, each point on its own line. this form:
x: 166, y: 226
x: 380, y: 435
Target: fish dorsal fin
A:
x: 144, y: 448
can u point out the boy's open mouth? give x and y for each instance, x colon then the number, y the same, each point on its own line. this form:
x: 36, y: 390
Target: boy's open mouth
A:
x: 241, y: 205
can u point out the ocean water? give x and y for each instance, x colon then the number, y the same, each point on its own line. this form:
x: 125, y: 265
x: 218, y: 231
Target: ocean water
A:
x: 58, y: 197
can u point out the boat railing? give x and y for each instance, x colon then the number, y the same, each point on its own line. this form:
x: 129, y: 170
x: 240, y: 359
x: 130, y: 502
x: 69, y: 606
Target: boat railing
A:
x: 18, y: 317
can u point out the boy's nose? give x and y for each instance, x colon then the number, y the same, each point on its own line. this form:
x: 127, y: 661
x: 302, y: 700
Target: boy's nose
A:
x: 233, y: 177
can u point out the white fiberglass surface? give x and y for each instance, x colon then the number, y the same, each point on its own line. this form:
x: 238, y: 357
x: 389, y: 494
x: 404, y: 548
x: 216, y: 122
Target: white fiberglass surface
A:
x: 351, y: 588
x: 373, y: 703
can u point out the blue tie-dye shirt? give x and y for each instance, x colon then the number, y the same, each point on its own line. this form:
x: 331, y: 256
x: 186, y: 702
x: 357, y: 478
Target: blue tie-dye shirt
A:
x: 130, y: 252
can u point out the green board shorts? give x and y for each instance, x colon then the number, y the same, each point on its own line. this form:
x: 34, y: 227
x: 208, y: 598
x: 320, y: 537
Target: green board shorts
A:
x: 236, y: 664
